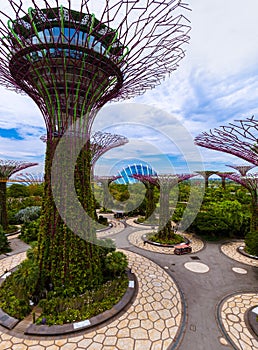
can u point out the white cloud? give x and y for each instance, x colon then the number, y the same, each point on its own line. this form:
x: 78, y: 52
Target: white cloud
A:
x: 214, y: 84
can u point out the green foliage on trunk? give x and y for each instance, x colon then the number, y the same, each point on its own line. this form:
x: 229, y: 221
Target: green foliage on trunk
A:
x: 251, y: 242
x: 3, y: 207
x: 4, y: 244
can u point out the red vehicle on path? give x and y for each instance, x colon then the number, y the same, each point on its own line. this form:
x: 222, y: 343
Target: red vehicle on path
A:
x: 182, y: 249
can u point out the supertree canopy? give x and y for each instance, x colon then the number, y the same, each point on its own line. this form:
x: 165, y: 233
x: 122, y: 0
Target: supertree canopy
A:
x: 127, y: 49
x: 243, y: 169
x: 7, y: 169
x: 30, y: 178
x: 101, y: 142
x: 206, y: 174
x: 239, y: 139
x: 71, y: 62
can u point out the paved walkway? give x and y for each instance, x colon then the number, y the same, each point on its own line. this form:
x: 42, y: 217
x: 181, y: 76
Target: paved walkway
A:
x: 155, y: 319
x: 230, y: 249
x: 151, y: 323
x: 136, y: 239
x: 117, y: 226
x: 232, y: 315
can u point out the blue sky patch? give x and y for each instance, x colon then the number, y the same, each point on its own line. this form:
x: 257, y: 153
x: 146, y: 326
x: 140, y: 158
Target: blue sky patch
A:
x: 10, y: 134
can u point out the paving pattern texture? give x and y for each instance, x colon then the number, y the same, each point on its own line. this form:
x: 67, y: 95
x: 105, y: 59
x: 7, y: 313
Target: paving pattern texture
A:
x: 155, y: 317
x: 10, y: 262
x: 151, y: 323
x: 230, y: 249
x: 232, y: 316
x: 117, y: 227
x: 136, y: 239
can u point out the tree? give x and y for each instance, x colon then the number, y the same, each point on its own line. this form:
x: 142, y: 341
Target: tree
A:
x: 7, y: 169
x: 17, y: 191
x: 4, y: 243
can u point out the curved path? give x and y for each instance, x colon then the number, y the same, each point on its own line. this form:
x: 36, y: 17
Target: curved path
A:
x: 136, y: 239
x: 151, y: 322
x: 195, y: 301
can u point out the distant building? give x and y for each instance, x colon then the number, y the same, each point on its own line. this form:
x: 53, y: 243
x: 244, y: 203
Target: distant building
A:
x: 138, y: 169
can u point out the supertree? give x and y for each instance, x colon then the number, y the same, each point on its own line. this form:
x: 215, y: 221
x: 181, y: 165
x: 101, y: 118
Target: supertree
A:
x: 105, y: 182
x: 243, y: 169
x: 206, y: 174
x: 30, y: 178
x: 250, y: 182
x: 223, y: 176
x: 239, y: 139
x: 71, y: 63
x: 165, y: 183
x: 7, y: 169
x: 150, y: 187
x: 102, y: 142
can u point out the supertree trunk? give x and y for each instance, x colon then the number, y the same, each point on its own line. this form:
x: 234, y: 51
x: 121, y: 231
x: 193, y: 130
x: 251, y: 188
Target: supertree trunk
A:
x: 3, y: 207
x: 64, y: 258
x: 165, y: 229
x: 254, y: 212
x: 150, y: 202
x: 106, y: 202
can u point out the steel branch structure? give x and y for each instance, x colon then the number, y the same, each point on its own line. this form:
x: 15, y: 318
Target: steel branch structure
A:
x: 30, y: 179
x: 250, y: 182
x: 101, y: 142
x: 239, y: 139
x: 71, y: 62
x: 10, y: 167
x: 243, y: 169
x: 7, y: 169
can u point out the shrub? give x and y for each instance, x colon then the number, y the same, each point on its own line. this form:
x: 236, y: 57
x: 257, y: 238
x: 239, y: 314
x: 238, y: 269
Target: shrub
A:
x: 4, y: 243
x: 102, y: 220
x: 28, y: 214
x: 29, y: 231
x: 251, y: 242
x: 115, y: 263
x: 60, y: 310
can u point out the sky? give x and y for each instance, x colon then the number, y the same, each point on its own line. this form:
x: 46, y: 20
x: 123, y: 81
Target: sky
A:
x: 214, y: 84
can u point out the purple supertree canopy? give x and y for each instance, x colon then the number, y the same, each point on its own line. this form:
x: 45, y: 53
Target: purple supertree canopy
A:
x: 106, y: 179
x: 30, y: 179
x: 239, y: 139
x: 250, y: 181
x: 224, y: 175
x: 71, y: 62
x: 10, y: 167
x: 163, y: 179
x: 243, y: 169
x: 101, y: 142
